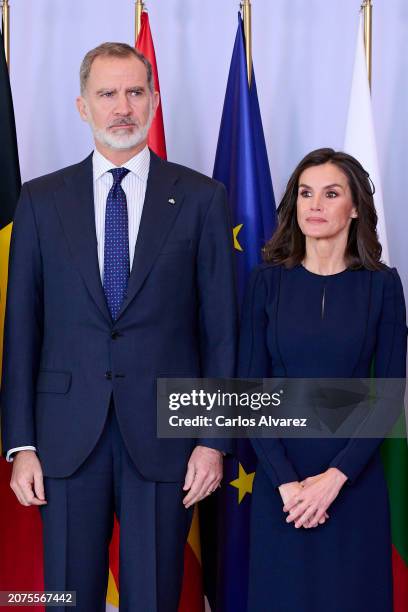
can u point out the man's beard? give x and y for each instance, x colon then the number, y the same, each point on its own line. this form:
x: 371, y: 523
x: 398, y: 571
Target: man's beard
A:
x: 127, y: 140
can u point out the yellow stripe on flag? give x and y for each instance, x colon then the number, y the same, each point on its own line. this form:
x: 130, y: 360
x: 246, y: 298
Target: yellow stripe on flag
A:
x: 5, y: 235
x: 112, y: 596
x: 194, y: 535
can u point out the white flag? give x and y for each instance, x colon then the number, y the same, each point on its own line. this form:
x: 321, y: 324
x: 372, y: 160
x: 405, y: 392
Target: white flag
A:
x: 360, y: 136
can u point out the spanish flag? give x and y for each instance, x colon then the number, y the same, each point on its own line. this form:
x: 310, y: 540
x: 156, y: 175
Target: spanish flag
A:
x: 144, y: 44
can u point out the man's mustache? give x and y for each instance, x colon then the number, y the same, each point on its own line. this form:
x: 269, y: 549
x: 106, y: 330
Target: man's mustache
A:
x: 123, y: 121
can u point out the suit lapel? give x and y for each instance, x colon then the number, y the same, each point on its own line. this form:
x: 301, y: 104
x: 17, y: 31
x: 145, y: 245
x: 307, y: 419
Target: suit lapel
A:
x: 157, y: 219
x: 75, y: 206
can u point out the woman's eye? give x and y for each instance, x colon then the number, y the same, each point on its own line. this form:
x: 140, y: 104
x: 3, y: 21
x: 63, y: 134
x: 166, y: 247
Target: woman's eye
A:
x: 305, y: 194
x: 331, y: 194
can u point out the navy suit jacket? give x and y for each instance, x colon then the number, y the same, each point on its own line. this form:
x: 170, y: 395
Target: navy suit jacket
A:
x: 64, y: 357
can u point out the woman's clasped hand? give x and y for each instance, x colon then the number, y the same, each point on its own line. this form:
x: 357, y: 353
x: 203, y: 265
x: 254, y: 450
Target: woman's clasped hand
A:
x: 307, y: 502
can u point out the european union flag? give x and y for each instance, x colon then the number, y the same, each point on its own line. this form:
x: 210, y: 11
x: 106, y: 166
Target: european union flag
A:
x: 241, y: 163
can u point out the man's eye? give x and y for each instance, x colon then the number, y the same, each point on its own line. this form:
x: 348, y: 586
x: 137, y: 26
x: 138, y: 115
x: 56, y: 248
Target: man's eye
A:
x: 107, y: 94
x: 332, y: 194
x: 136, y: 92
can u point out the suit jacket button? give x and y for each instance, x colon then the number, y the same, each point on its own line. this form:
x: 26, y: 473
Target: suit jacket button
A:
x: 114, y: 334
x: 108, y: 375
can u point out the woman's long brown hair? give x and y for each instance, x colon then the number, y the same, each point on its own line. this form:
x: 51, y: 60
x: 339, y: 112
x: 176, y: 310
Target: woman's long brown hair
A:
x: 287, y: 245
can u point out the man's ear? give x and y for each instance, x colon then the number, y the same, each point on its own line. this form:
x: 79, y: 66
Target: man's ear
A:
x: 156, y: 101
x: 82, y: 108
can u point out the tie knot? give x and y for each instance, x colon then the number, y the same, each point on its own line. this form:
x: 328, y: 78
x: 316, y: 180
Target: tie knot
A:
x: 118, y: 175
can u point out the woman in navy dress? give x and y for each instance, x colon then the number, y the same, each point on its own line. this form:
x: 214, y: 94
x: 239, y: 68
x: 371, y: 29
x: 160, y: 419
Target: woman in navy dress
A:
x: 322, y: 305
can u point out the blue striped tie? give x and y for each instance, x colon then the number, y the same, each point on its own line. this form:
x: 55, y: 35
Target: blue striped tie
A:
x: 116, y: 253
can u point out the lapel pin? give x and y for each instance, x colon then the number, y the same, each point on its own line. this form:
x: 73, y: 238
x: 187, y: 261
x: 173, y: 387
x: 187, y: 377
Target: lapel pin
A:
x: 172, y: 201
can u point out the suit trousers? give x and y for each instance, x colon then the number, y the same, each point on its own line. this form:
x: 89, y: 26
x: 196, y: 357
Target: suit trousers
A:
x: 78, y: 524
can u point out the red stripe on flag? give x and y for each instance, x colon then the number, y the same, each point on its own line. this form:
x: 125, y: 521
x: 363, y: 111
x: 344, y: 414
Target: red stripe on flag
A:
x: 21, y: 549
x: 114, y: 553
x: 400, y: 575
x: 192, y: 593
x: 144, y: 44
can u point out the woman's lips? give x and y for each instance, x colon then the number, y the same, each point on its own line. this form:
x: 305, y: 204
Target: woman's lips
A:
x: 315, y: 220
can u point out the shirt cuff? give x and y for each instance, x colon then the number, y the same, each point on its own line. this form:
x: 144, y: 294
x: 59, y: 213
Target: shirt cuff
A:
x: 9, y: 458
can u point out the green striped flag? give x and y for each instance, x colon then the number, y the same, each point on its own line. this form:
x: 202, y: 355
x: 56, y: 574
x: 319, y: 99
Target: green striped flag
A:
x: 360, y: 141
x: 395, y: 458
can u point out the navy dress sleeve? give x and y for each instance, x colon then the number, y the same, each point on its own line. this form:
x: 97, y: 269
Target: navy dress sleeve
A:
x: 255, y: 362
x: 390, y: 362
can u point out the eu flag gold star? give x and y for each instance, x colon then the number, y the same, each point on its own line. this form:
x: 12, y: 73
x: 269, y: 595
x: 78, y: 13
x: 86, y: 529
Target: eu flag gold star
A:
x: 243, y: 483
x: 235, y: 232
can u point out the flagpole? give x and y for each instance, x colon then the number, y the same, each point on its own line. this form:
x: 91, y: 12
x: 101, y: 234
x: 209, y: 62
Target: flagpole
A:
x: 6, y: 30
x: 139, y: 8
x: 367, y: 8
x: 246, y: 15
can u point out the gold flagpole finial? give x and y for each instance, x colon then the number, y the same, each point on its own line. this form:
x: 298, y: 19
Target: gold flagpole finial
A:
x: 6, y: 30
x: 139, y: 8
x: 246, y: 16
x: 367, y: 9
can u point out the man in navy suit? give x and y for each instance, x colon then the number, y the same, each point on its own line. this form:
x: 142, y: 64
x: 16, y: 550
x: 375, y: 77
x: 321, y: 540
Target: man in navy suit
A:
x: 121, y: 271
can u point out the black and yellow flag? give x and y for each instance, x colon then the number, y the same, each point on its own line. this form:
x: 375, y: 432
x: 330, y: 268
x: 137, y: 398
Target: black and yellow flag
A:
x: 10, y: 181
x: 19, y: 527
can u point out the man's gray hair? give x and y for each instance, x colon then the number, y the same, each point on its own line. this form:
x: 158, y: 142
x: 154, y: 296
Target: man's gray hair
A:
x: 112, y: 49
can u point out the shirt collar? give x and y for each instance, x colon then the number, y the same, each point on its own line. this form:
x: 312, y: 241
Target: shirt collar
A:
x: 138, y: 165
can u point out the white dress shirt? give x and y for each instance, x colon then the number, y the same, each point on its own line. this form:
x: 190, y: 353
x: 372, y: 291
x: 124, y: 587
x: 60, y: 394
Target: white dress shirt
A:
x: 134, y: 185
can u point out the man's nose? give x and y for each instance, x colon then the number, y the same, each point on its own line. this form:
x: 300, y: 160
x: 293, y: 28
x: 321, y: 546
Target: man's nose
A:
x: 123, y: 106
